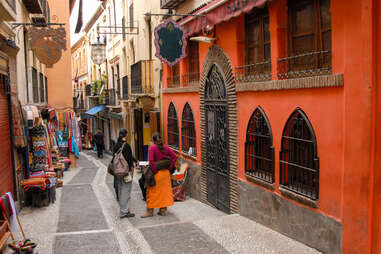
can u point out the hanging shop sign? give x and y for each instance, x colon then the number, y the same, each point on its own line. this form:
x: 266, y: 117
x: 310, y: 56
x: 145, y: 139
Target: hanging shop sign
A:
x: 170, y: 42
x: 48, y: 44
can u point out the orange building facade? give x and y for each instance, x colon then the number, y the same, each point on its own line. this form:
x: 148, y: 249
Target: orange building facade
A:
x: 279, y: 119
x: 60, y: 83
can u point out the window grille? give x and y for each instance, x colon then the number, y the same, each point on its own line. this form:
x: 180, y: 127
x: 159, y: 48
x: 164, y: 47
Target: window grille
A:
x: 174, y: 80
x: 257, y: 47
x: 188, y: 134
x: 309, y: 39
x: 259, y: 150
x: 173, y: 127
x: 42, y: 94
x: 35, y: 85
x: 193, y: 74
x: 299, y: 164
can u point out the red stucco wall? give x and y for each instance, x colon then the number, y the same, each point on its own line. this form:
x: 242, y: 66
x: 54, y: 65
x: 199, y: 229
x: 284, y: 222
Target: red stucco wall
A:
x: 346, y: 120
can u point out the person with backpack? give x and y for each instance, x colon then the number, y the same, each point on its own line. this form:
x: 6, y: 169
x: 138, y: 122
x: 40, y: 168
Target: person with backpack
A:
x: 123, y: 171
x: 162, y: 160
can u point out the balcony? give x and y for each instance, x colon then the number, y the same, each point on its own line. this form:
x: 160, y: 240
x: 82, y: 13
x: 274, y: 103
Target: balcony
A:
x: 78, y: 103
x: 170, y: 4
x: 125, y: 88
x: 173, y: 81
x: 142, y: 77
x: 305, y: 65
x: 7, y: 10
x: 110, y: 96
x: 253, y: 72
x: 43, y: 17
x: 88, y: 90
x: 190, y: 79
x: 34, y: 6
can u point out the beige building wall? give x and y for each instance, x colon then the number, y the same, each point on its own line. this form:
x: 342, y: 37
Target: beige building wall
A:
x: 59, y: 77
x: 25, y: 60
x: 79, y: 63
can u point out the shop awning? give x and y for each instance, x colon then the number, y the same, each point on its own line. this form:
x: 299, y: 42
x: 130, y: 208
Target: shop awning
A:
x: 95, y: 110
x: 215, y: 13
x: 115, y: 115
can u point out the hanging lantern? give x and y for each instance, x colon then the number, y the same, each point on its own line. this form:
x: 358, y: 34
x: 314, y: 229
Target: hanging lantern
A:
x: 98, y: 52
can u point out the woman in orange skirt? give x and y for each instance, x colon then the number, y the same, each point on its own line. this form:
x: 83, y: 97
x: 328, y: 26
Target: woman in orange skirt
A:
x: 160, y: 195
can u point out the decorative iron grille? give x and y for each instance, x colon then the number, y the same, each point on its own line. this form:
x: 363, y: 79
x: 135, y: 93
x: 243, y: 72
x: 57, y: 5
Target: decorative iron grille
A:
x: 188, y: 134
x: 42, y: 94
x: 217, y: 140
x: 173, y: 81
x: 299, y: 164
x: 254, y: 72
x: 259, y: 150
x: 190, y: 79
x: 142, y: 77
x: 125, y: 87
x: 305, y: 65
x: 173, y: 127
x: 111, y: 97
x: 35, y: 85
x: 88, y: 90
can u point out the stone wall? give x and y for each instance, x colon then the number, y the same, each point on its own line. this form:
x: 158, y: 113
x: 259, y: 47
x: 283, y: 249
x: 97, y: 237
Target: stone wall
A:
x: 299, y: 223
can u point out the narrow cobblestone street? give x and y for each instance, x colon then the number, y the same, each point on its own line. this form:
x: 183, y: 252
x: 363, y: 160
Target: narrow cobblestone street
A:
x: 85, y: 219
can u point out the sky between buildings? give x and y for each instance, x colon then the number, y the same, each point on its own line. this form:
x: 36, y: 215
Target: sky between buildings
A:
x: 89, y: 8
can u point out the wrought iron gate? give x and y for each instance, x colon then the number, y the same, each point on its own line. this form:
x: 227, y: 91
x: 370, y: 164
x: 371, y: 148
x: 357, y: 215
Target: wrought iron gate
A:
x: 217, y: 140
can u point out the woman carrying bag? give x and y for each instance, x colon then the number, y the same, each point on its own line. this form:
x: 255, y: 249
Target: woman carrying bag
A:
x: 123, y: 184
x: 160, y: 195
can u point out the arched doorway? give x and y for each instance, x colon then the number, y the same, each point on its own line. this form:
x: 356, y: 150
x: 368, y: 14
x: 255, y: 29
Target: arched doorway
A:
x: 217, y: 140
x: 219, y: 132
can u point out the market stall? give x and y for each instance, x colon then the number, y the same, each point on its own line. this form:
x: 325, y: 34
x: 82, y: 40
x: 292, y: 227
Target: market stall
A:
x: 52, y: 136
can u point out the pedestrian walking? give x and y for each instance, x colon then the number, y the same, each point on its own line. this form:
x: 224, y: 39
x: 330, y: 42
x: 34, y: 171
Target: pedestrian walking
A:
x: 122, y: 185
x: 99, y: 142
x: 161, y: 161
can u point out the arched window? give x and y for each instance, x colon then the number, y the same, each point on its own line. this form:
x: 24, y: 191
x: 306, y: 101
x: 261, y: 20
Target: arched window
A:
x: 259, y: 151
x: 188, y: 134
x: 299, y: 163
x: 173, y: 127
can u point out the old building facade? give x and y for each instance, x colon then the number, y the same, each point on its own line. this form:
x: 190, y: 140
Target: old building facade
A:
x: 275, y: 107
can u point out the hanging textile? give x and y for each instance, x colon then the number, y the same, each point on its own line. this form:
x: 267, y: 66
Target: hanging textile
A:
x: 18, y: 123
x: 39, y: 148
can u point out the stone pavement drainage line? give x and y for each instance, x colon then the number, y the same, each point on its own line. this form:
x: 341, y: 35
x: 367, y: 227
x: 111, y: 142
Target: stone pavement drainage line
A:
x: 83, y: 232
x: 102, y: 192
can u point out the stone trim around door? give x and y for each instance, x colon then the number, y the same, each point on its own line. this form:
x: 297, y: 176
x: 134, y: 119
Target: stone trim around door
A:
x: 216, y: 55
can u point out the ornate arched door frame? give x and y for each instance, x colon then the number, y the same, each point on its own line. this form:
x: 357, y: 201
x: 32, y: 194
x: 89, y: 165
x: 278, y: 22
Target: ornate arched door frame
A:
x: 217, y: 57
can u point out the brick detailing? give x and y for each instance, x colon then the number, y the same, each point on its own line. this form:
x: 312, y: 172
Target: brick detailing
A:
x: 216, y: 55
x: 297, y: 83
x: 189, y: 89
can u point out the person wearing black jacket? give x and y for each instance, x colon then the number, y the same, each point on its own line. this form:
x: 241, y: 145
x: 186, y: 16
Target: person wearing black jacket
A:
x: 123, y: 188
x: 99, y: 142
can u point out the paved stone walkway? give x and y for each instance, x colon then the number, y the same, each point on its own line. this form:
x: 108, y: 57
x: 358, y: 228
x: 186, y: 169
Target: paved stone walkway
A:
x: 85, y: 219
